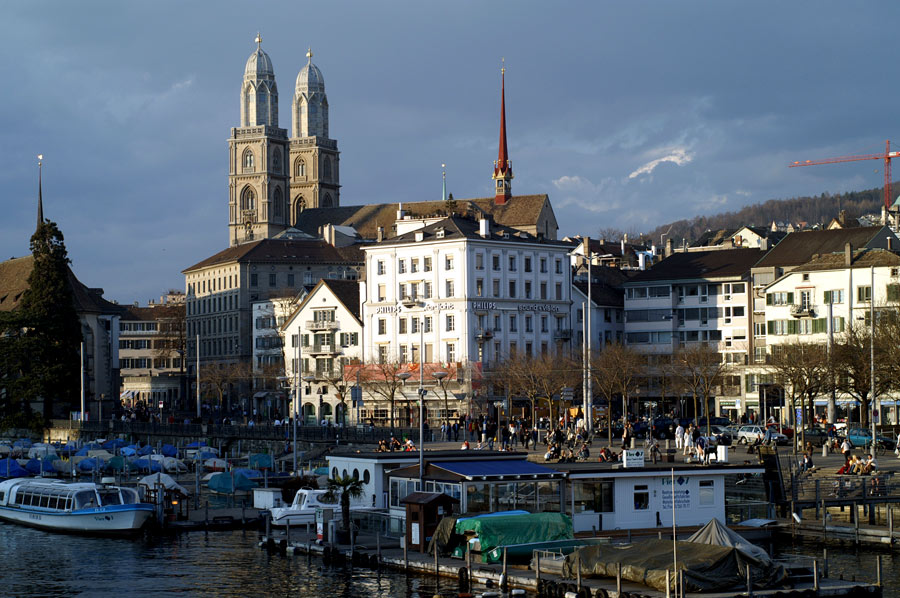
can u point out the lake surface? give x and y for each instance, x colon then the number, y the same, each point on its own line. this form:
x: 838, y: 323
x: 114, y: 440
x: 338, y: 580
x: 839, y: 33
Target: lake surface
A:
x: 229, y: 564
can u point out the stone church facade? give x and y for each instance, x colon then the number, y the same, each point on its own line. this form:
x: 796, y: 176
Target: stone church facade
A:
x: 272, y: 177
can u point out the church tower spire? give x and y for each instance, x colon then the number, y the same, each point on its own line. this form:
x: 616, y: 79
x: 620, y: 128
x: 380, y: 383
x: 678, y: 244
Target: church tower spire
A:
x: 503, y: 174
x: 258, y: 152
x: 40, y: 214
x: 315, y: 176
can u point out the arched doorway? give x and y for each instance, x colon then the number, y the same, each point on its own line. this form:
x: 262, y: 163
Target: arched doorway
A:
x: 309, y: 414
x: 327, y: 413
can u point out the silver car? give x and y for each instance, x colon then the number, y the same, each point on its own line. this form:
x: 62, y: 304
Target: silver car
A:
x: 748, y: 435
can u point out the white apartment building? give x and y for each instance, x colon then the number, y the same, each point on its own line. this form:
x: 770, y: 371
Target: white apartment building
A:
x: 330, y: 333
x: 692, y: 297
x: 822, y: 298
x: 482, y: 292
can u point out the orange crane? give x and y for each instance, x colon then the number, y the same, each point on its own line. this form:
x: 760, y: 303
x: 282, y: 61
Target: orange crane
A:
x: 886, y: 156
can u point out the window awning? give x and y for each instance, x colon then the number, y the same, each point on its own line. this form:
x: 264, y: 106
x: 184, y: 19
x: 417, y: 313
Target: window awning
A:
x: 499, y: 470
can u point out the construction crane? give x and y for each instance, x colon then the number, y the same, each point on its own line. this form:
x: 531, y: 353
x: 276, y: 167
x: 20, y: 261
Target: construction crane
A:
x: 886, y: 156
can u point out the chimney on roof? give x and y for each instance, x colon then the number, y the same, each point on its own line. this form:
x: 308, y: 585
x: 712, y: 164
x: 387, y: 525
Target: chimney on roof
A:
x: 379, y: 235
x: 328, y: 234
x: 764, y: 244
x: 484, y: 227
x: 668, y: 247
x: 400, y: 213
x: 848, y: 254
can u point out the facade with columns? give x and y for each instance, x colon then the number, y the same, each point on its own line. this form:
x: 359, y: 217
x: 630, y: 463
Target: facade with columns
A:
x: 273, y: 177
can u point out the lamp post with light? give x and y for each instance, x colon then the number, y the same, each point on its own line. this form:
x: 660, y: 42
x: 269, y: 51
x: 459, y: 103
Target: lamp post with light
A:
x: 441, y: 376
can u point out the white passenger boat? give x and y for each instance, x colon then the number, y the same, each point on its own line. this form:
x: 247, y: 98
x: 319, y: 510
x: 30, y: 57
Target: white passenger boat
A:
x: 303, y: 509
x: 79, y: 507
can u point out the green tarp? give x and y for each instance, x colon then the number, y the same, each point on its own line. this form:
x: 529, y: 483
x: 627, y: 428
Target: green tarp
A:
x: 516, y: 529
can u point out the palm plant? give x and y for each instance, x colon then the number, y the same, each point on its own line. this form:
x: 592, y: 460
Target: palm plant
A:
x: 342, y: 489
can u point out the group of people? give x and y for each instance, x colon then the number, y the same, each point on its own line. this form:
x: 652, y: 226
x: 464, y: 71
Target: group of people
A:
x: 853, y: 465
x: 394, y: 445
x: 692, y: 442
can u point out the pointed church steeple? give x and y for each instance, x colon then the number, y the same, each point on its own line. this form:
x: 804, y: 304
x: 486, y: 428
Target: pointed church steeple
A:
x: 40, y: 214
x: 503, y: 174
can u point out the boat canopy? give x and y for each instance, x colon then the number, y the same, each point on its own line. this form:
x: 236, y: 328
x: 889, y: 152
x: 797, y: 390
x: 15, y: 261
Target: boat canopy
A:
x: 516, y: 529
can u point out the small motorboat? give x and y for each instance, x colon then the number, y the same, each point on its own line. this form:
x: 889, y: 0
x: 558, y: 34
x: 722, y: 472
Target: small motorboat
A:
x: 303, y: 508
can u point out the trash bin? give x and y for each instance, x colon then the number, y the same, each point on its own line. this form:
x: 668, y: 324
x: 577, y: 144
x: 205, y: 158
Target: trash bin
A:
x: 323, y: 516
x: 722, y: 454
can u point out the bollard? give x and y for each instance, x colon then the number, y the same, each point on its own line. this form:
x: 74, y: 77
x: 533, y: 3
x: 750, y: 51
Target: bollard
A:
x: 825, y: 563
x: 890, y: 518
x: 287, y: 532
x: 268, y: 525
x: 378, y: 546
x: 749, y: 584
x: 619, y: 578
x: 577, y: 568
x: 659, y: 535
x: 816, y: 575
x: 825, y: 450
x: 503, y: 575
x: 878, y: 570
x: 594, y: 527
x: 537, y: 567
x: 668, y: 586
x: 405, y: 554
x: 437, y: 567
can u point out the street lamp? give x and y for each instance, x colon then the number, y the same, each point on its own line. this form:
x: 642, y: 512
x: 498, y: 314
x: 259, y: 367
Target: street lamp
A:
x: 409, y: 304
x: 440, y: 378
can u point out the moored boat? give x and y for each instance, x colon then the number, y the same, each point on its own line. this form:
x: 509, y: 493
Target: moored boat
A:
x: 79, y: 507
x: 306, y: 501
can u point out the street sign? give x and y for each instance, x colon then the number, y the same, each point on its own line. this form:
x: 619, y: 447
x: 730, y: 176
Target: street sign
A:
x: 160, y: 404
x: 567, y: 393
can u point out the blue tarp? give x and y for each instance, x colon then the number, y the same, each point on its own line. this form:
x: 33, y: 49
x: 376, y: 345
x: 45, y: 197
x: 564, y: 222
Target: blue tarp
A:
x: 90, y: 464
x: 204, y: 455
x: 496, y: 514
x: 222, y: 483
x: 497, y: 468
x: 147, y: 450
x: 34, y: 467
x: 248, y: 473
x: 169, y: 451
x: 196, y: 444
x: 115, y: 443
x: 261, y: 461
x: 128, y: 451
x: 10, y: 468
x: 22, y: 443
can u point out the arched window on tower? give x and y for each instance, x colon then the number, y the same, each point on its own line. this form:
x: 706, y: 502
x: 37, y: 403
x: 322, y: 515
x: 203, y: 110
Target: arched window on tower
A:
x: 326, y: 201
x: 248, y: 199
x: 248, y: 160
x: 326, y: 168
x: 299, y: 206
x: 299, y: 167
x: 278, y: 200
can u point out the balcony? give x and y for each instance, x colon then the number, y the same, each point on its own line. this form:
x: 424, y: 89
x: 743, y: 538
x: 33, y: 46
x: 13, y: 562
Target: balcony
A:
x: 322, y: 349
x: 563, y: 334
x: 483, y: 334
x: 800, y: 311
x: 322, y: 325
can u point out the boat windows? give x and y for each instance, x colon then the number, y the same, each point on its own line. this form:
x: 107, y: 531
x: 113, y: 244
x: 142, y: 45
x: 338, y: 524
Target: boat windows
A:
x: 707, y: 493
x: 641, y: 497
x: 110, y: 497
x: 129, y: 496
x: 596, y: 496
x: 85, y: 499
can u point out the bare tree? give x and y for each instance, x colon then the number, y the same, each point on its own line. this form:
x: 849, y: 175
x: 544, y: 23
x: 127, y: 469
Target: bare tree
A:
x: 700, y: 367
x: 383, y: 379
x: 851, y: 360
x: 171, y: 340
x: 802, y: 369
x: 617, y: 370
x: 220, y: 377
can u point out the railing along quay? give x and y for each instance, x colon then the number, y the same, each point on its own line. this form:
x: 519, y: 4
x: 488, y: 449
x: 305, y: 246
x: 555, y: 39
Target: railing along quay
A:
x: 305, y: 433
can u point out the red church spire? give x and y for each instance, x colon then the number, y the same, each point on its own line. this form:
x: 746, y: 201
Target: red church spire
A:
x: 503, y: 173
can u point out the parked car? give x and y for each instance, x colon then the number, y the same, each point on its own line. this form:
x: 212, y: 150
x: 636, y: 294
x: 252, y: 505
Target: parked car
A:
x: 715, y: 421
x: 862, y: 437
x: 749, y: 433
x: 817, y: 436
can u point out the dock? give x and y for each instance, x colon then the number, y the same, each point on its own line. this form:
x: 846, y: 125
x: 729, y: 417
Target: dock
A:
x: 489, y: 579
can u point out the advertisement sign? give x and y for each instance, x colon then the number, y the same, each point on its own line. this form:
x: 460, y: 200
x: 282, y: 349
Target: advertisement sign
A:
x: 634, y: 458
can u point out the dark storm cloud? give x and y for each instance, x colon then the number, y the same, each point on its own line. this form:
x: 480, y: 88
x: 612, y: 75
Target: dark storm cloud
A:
x: 627, y: 114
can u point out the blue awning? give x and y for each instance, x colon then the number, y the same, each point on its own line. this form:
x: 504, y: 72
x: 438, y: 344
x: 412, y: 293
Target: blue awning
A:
x: 498, y: 469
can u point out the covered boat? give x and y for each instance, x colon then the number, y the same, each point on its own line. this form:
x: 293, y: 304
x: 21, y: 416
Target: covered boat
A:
x: 487, y: 533
x: 231, y: 483
x: 79, y: 507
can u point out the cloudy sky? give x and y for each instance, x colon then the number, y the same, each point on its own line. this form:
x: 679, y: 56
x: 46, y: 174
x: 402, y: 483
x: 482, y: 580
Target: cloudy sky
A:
x: 628, y: 114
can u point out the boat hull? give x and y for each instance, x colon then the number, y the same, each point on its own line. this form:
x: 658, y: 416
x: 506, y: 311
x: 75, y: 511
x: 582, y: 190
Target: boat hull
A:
x: 115, y: 519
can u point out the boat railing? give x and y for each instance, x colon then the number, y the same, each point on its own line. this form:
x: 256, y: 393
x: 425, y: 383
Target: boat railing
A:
x: 749, y: 509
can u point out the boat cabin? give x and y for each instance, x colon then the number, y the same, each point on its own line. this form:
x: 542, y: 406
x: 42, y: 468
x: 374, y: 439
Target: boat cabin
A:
x: 605, y: 498
x: 483, y: 486
x: 58, y: 496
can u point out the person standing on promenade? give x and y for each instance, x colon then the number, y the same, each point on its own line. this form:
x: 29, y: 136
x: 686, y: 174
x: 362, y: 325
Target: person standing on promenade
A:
x: 679, y: 437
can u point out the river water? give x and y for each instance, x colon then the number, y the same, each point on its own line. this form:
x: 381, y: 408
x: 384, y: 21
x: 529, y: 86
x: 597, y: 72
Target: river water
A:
x: 229, y: 564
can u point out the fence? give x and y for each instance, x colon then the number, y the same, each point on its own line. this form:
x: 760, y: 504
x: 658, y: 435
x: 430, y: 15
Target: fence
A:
x: 369, y: 522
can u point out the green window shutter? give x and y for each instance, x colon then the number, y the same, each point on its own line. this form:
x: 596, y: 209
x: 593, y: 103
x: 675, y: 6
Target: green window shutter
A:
x: 770, y: 300
x: 790, y: 298
x: 305, y: 341
x: 827, y: 297
x: 893, y: 292
x: 792, y: 327
x: 840, y: 324
x: 770, y: 327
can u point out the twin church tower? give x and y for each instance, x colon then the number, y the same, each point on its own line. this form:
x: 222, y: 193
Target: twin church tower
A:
x: 272, y: 178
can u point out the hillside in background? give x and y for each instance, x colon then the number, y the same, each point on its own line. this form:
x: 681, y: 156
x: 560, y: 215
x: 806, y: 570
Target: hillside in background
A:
x: 811, y: 210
